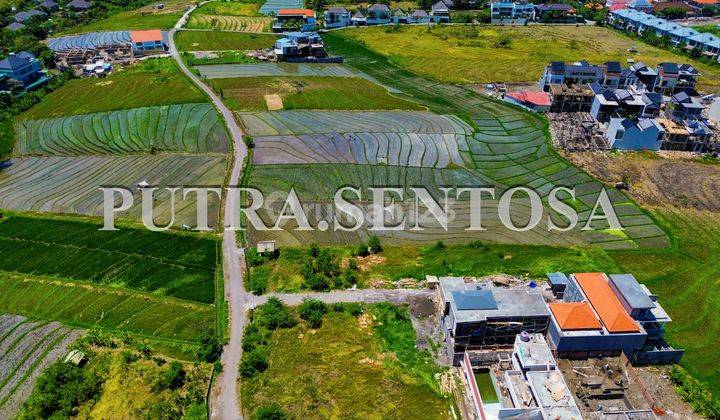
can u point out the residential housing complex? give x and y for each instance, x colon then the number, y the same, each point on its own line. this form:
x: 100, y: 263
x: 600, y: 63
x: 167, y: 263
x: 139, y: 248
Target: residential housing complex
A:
x: 512, y: 12
x: 302, y: 20
x: 638, y: 107
x: 639, y: 22
x: 23, y: 67
x: 380, y: 14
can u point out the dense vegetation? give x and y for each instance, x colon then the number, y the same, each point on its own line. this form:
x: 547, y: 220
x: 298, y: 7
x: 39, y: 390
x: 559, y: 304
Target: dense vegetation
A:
x: 335, y: 364
x: 119, y: 378
x: 696, y: 393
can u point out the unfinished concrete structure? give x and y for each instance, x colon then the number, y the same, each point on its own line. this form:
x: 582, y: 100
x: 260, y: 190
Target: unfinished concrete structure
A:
x: 571, y: 98
x: 480, y: 315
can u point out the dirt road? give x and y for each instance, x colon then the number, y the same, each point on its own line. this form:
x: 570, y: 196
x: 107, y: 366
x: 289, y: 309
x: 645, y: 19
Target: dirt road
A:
x: 226, y: 401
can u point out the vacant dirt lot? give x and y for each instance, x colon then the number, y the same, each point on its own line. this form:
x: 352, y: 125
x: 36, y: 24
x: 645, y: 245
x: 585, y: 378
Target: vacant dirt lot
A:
x: 668, y: 179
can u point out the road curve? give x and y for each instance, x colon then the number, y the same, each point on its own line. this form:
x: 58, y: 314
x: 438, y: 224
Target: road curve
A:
x: 226, y: 402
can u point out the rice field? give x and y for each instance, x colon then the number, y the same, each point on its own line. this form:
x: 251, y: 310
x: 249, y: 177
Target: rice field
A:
x: 83, y: 305
x: 26, y: 348
x: 220, y: 40
x: 223, y: 71
x: 182, y: 266
x: 230, y: 23
x: 61, y: 184
x: 191, y: 128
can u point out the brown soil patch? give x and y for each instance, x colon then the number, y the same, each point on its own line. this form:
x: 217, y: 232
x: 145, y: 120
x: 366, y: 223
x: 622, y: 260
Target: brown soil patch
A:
x: 274, y: 102
x: 666, y: 179
x: 366, y: 263
x: 365, y: 321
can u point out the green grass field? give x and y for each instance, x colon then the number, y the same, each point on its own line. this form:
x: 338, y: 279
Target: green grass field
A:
x: 161, y: 81
x: 146, y: 17
x: 344, y: 370
x: 713, y: 29
x: 177, y: 265
x: 312, y: 92
x: 217, y: 40
x: 473, y: 54
x: 234, y: 8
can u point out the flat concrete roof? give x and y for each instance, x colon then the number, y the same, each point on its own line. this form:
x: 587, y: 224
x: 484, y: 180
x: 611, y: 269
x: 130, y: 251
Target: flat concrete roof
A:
x: 553, y: 395
x: 534, y: 352
x: 631, y: 291
x: 515, y: 302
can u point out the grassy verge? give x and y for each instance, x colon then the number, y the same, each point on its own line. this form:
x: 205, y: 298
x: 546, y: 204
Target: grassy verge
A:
x: 364, y: 367
x: 311, y: 92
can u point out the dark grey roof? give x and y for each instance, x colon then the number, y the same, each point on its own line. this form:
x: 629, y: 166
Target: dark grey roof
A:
x: 671, y: 68
x: 16, y: 61
x: 688, y: 69
x: 338, y: 10
x: 644, y: 124
x: 379, y: 7
x: 652, y: 98
x: 627, y: 124
x: 439, y: 6
x: 553, y: 7
x: 80, y: 4
x: 557, y: 66
x: 399, y: 13
x: 358, y: 15
x: 15, y: 26
x: 35, y: 12
x: 419, y: 13
x: 557, y: 278
x: 613, y: 67
x: 48, y: 4
x: 609, y: 95
x: 597, y: 88
x: 22, y: 16
x: 448, y: 3
x: 681, y: 97
x: 626, y: 284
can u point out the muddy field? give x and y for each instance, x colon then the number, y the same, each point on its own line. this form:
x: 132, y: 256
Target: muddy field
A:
x: 668, y: 179
x: 659, y: 385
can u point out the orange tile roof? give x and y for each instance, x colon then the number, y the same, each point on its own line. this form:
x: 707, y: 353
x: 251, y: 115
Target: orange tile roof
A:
x: 606, y: 304
x: 145, y: 36
x: 708, y: 2
x: 575, y: 316
x: 535, y: 98
x: 304, y: 12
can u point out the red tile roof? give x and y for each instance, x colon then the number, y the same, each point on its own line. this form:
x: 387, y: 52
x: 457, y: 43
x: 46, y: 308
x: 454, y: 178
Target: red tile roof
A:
x: 290, y: 12
x: 707, y: 2
x: 535, y: 98
x: 605, y: 302
x: 575, y: 316
x: 146, y: 36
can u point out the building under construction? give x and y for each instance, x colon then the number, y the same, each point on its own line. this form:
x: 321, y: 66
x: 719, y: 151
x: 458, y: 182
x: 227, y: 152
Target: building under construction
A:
x: 480, y: 316
x: 571, y: 98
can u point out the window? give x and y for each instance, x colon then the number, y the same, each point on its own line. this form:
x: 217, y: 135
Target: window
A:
x: 619, y: 134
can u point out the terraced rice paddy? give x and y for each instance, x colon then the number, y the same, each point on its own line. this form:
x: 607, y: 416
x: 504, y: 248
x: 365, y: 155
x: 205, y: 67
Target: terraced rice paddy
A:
x: 274, y: 6
x: 61, y: 184
x: 222, y: 40
x: 176, y: 265
x: 230, y: 23
x: 89, y: 40
x: 192, y: 128
x: 26, y: 348
x: 507, y: 147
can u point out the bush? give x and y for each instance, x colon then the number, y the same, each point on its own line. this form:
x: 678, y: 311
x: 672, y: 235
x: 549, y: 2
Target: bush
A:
x: 269, y: 412
x: 61, y: 388
x: 210, y: 347
x: 254, y: 362
x: 374, y: 245
x: 695, y: 393
x: 313, y: 310
x: 249, y: 141
x: 129, y: 357
x: 354, y: 308
x: 273, y: 314
x: 259, y: 280
x: 362, y: 250
x: 173, y: 378
x: 255, y: 336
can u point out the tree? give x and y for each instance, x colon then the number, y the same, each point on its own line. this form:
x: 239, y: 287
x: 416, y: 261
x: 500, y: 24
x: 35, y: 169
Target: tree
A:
x: 269, y: 412
x: 273, y: 314
x: 313, y: 310
x: 254, y: 362
x: 61, y: 388
x: 173, y: 378
x: 210, y: 348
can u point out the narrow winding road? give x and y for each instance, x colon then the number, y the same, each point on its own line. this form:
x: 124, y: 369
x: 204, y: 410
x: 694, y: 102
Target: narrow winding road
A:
x: 226, y: 401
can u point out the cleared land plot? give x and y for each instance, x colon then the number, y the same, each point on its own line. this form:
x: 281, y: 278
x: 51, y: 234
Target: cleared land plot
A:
x: 27, y: 348
x: 192, y: 128
x: 312, y: 92
x: 176, y: 265
x: 149, y: 83
x: 420, y: 150
x: 147, y: 17
x: 307, y: 122
x: 348, y: 368
x: 230, y: 23
x: 217, y: 40
x: 71, y: 184
x: 451, y: 53
x: 82, y: 304
x: 234, y: 8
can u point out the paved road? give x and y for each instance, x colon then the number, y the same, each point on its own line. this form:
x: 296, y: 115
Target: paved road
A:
x: 226, y: 401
